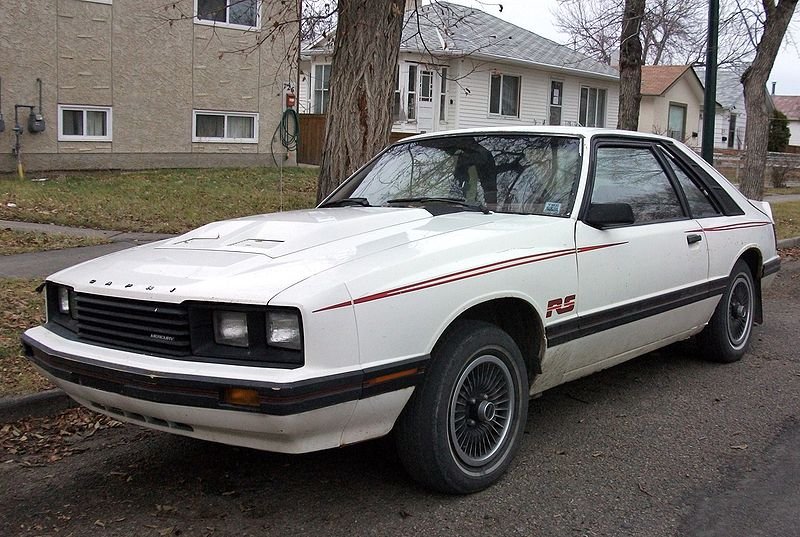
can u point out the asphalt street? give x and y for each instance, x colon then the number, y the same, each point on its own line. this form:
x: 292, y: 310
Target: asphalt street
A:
x: 664, y: 445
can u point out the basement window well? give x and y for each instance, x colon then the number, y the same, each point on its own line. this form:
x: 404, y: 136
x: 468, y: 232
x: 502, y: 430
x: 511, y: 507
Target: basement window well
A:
x: 84, y: 123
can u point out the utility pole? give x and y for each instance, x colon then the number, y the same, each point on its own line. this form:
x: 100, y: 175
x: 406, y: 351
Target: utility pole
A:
x: 710, y: 101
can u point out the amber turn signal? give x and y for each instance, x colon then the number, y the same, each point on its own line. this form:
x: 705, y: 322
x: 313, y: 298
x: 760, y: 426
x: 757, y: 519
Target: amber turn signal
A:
x: 241, y: 396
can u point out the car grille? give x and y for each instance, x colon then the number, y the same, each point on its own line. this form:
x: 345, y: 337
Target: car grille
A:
x: 152, y: 327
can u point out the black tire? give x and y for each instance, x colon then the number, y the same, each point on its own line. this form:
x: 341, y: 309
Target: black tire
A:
x: 463, y: 425
x: 727, y: 335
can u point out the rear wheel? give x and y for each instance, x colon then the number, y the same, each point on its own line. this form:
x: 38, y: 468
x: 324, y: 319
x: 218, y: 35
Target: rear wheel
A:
x: 462, y: 427
x: 727, y: 335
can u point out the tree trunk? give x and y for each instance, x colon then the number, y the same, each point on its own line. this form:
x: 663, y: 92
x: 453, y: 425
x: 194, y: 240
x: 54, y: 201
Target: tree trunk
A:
x: 754, y: 80
x: 362, y: 81
x: 630, y: 66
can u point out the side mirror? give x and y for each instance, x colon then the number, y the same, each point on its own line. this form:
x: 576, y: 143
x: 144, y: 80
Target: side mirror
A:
x: 603, y: 215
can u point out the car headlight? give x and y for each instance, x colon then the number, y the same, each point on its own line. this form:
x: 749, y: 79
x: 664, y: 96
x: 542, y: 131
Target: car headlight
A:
x: 60, y: 305
x: 63, y: 300
x: 283, y: 330
x: 246, y: 334
x: 230, y: 328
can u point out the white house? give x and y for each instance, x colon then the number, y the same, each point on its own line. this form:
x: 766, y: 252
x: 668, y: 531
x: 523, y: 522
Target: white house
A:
x: 672, y: 98
x: 731, y: 117
x: 461, y: 67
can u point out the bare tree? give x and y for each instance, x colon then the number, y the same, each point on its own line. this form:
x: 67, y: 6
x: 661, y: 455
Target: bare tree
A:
x: 630, y: 65
x: 776, y: 18
x: 672, y: 31
x: 317, y: 20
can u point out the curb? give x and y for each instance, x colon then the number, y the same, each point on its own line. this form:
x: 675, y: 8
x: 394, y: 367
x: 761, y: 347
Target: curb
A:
x: 34, y: 405
x: 793, y: 242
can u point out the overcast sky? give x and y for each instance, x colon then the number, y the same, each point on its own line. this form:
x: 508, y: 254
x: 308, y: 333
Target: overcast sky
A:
x: 537, y: 16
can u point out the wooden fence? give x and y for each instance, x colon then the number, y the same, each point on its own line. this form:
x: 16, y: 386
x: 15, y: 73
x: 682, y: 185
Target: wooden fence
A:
x: 312, y: 138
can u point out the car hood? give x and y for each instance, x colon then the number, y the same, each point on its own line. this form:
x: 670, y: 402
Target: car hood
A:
x: 252, y: 259
x: 279, y: 234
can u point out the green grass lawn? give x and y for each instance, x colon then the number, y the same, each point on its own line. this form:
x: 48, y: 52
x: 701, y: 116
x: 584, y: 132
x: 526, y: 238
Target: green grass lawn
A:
x: 165, y: 201
x: 23, y: 308
x: 20, y: 242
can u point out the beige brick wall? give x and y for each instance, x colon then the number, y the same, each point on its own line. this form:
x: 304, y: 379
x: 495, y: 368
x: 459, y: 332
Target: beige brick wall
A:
x: 153, y: 74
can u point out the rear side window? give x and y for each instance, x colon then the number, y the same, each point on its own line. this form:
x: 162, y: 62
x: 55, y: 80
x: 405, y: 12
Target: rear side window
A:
x: 699, y: 203
x: 634, y: 176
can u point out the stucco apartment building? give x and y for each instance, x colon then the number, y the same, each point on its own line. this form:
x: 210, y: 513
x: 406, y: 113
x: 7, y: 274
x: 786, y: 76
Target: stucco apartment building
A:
x: 141, y: 83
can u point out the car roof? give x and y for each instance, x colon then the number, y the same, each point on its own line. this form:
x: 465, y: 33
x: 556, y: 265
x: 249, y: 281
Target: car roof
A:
x: 584, y: 132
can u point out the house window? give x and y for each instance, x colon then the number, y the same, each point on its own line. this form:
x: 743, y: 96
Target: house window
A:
x: 84, y: 123
x: 234, y: 127
x: 592, y: 112
x: 322, y: 88
x: 396, y: 106
x: 443, y: 96
x: 556, y: 97
x: 504, y: 95
x: 411, y: 100
x: 676, y: 121
x: 234, y: 13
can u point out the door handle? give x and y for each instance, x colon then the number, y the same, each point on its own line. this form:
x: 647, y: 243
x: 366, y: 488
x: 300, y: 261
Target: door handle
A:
x: 693, y: 238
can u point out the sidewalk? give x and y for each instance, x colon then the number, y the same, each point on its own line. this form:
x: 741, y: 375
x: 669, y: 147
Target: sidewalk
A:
x: 41, y: 264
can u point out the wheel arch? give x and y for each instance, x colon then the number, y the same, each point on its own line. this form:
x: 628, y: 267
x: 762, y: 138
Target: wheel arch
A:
x: 755, y: 262
x: 519, y: 319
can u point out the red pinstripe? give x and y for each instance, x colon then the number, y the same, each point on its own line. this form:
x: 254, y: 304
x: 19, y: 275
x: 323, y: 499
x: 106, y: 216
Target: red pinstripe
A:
x: 465, y: 274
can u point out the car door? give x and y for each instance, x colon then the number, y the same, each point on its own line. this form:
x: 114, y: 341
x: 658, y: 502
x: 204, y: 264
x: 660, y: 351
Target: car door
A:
x: 637, y: 282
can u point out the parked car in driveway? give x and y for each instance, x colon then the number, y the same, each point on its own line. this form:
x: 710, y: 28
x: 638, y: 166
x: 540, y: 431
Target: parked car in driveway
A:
x: 437, y: 289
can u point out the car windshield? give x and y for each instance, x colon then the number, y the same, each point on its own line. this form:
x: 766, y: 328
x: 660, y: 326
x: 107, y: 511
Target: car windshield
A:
x: 527, y: 174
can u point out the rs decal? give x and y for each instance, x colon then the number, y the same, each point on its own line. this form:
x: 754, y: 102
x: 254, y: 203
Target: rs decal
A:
x: 560, y: 306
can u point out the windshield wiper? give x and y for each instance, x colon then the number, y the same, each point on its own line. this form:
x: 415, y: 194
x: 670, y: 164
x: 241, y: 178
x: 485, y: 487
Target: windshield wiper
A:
x: 347, y: 202
x: 450, y: 201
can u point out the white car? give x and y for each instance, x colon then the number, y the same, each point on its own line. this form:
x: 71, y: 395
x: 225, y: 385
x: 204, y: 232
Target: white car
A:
x: 447, y: 281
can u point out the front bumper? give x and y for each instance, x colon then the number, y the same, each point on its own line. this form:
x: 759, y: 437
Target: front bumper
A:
x: 292, y: 416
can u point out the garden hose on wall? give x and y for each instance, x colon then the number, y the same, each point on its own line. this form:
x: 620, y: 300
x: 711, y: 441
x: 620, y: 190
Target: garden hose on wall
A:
x: 287, y: 131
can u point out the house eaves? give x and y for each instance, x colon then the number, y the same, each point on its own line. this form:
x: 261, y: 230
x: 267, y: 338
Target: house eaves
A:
x: 545, y: 66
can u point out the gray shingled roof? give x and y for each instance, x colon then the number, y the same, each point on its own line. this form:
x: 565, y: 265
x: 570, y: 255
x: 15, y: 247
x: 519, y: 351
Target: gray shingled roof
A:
x: 443, y: 29
x: 730, y: 92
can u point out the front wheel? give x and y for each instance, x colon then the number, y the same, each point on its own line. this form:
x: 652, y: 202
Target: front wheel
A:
x: 463, y: 425
x: 727, y: 335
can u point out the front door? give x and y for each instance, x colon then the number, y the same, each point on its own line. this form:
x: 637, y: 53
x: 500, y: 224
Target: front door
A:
x: 638, y: 283
x: 425, y: 102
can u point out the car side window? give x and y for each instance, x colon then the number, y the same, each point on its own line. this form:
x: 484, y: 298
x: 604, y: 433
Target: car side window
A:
x: 634, y: 176
x: 699, y: 203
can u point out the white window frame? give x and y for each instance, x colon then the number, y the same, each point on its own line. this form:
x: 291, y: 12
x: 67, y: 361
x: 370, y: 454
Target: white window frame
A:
x: 322, y: 90
x: 499, y: 113
x: 107, y: 2
x: 218, y: 24
x: 224, y: 139
x: 397, y: 99
x: 411, y: 93
x: 443, y: 95
x: 589, y: 89
x: 83, y: 137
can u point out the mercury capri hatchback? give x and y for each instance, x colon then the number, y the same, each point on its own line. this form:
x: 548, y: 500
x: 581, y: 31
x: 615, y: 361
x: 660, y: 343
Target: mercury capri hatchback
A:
x: 432, y: 294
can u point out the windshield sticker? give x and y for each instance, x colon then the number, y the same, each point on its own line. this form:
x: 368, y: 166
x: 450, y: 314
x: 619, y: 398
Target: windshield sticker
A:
x: 552, y: 207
